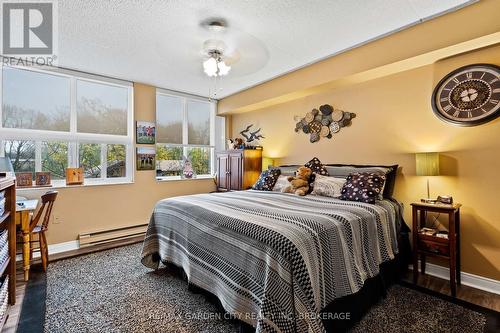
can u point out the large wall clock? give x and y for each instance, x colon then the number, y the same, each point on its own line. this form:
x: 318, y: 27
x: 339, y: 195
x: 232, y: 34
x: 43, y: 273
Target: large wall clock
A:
x: 469, y: 95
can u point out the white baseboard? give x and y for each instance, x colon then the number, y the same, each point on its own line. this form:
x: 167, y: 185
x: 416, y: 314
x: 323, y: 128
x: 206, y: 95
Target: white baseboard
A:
x: 64, y: 247
x: 56, y: 248
x: 468, y: 279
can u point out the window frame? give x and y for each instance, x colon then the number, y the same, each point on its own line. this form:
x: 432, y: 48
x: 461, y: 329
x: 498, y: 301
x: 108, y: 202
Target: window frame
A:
x: 185, y: 145
x: 72, y: 137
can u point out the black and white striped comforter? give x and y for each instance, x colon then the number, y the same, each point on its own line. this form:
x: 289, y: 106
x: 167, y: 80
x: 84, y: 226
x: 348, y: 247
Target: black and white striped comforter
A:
x: 274, y: 260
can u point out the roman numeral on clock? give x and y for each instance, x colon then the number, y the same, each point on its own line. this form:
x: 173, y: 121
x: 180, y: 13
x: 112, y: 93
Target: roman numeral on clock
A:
x: 494, y: 101
x: 456, y: 80
x: 469, y: 75
x: 444, y: 99
x: 456, y: 114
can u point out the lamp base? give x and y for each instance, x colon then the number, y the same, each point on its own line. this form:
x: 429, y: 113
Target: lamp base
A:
x: 428, y: 201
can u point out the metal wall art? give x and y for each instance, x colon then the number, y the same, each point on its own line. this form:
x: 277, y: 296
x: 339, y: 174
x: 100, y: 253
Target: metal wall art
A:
x: 251, y: 139
x: 251, y: 136
x: 323, y: 122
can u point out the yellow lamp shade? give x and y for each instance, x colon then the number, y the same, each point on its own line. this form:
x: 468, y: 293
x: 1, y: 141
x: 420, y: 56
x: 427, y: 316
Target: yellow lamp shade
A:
x: 267, y: 162
x: 427, y: 164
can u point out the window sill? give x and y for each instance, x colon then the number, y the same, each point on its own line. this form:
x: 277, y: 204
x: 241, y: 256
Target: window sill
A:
x: 176, y: 178
x: 63, y: 185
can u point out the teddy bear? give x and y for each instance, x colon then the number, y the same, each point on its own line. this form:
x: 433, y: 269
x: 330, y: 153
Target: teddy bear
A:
x: 299, y: 184
x: 236, y: 143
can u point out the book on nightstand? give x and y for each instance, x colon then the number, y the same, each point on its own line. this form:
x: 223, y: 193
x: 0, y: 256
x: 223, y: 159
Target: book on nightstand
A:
x: 442, y: 234
x: 428, y: 231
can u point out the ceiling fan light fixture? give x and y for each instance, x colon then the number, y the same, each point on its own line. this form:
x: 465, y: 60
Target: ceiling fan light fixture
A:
x: 214, y: 65
x: 223, y: 68
x: 210, y: 67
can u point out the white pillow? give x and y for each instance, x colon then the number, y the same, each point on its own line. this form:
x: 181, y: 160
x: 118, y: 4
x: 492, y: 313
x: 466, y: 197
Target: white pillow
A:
x: 281, y: 183
x: 327, y: 186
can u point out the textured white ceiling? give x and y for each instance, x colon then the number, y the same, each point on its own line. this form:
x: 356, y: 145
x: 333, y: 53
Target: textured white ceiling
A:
x: 159, y: 42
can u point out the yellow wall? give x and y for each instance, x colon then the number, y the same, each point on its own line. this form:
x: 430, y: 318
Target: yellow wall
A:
x: 388, y: 83
x: 88, y: 208
x: 394, y: 120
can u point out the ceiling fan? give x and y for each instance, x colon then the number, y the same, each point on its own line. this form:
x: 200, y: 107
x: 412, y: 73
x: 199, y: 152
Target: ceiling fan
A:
x: 227, y: 49
x: 213, y: 38
x: 215, y: 51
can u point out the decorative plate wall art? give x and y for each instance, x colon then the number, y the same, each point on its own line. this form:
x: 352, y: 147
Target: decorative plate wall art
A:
x: 323, y: 123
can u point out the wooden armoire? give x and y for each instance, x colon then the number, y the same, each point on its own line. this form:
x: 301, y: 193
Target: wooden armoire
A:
x: 238, y: 169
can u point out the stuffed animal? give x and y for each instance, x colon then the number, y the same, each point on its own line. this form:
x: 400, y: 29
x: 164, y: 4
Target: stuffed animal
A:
x: 299, y: 184
x: 236, y: 143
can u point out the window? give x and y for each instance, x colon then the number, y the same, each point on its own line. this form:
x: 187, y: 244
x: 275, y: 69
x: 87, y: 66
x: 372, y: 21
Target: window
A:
x: 55, y: 159
x: 169, y: 118
x: 55, y: 119
x: 33, y: 100
x: 198, y: 123
x: 185, y: 127
x: 90, y: 159
x: 101, y: 108
x: 21, y: 154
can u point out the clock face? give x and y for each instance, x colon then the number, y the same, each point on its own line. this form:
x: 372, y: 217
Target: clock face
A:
x: 469, y: 95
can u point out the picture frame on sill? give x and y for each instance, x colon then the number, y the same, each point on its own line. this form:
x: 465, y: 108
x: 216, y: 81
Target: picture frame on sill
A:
x: 145, y: 132
x: 74, y: 176
x: 24, y: 179
x: 42, y: 179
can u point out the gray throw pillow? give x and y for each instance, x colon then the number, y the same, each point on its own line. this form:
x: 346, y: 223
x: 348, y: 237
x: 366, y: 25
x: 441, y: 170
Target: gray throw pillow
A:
x: 328, y: 186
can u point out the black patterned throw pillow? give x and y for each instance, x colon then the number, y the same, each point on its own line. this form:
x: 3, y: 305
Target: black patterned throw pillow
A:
x: 266, y: 180
x: 317, y: 167
x: 363, y: 187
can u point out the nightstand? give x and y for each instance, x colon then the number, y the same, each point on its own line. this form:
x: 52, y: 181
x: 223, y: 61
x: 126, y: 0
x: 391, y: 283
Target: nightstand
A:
x: 429, y: 245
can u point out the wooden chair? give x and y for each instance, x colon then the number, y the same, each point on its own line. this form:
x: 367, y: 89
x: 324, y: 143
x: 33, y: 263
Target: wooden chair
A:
x: 48, y: 200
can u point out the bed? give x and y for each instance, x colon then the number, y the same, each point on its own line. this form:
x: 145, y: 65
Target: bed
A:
x: 274, y: 260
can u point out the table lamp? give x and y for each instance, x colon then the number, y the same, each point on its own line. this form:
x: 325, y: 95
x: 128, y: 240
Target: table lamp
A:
x: 427, y: 164
x: 267, y: 162
x: 5, y: 166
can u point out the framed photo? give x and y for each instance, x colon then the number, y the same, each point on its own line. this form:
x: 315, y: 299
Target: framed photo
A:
x: 146, y: 158
x: 42, y: 178
x: 145, y: 132
x: 74, y: 176
x: 24, y: 179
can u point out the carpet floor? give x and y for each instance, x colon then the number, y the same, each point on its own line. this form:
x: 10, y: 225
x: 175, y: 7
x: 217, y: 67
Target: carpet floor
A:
x: 111, y: 291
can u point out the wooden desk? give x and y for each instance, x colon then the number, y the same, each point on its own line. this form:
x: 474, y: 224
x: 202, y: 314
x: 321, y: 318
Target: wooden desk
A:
x: 23, y: 220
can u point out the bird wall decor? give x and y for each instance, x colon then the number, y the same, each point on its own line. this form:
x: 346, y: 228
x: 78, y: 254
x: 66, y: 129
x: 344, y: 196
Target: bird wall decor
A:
x: 251, y: 136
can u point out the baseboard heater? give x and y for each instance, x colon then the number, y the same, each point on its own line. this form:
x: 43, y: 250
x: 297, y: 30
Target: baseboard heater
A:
x: 110, y: 235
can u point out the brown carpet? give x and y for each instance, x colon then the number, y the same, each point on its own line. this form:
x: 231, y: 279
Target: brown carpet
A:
x: 111, y: 291
x: 407, y: 310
